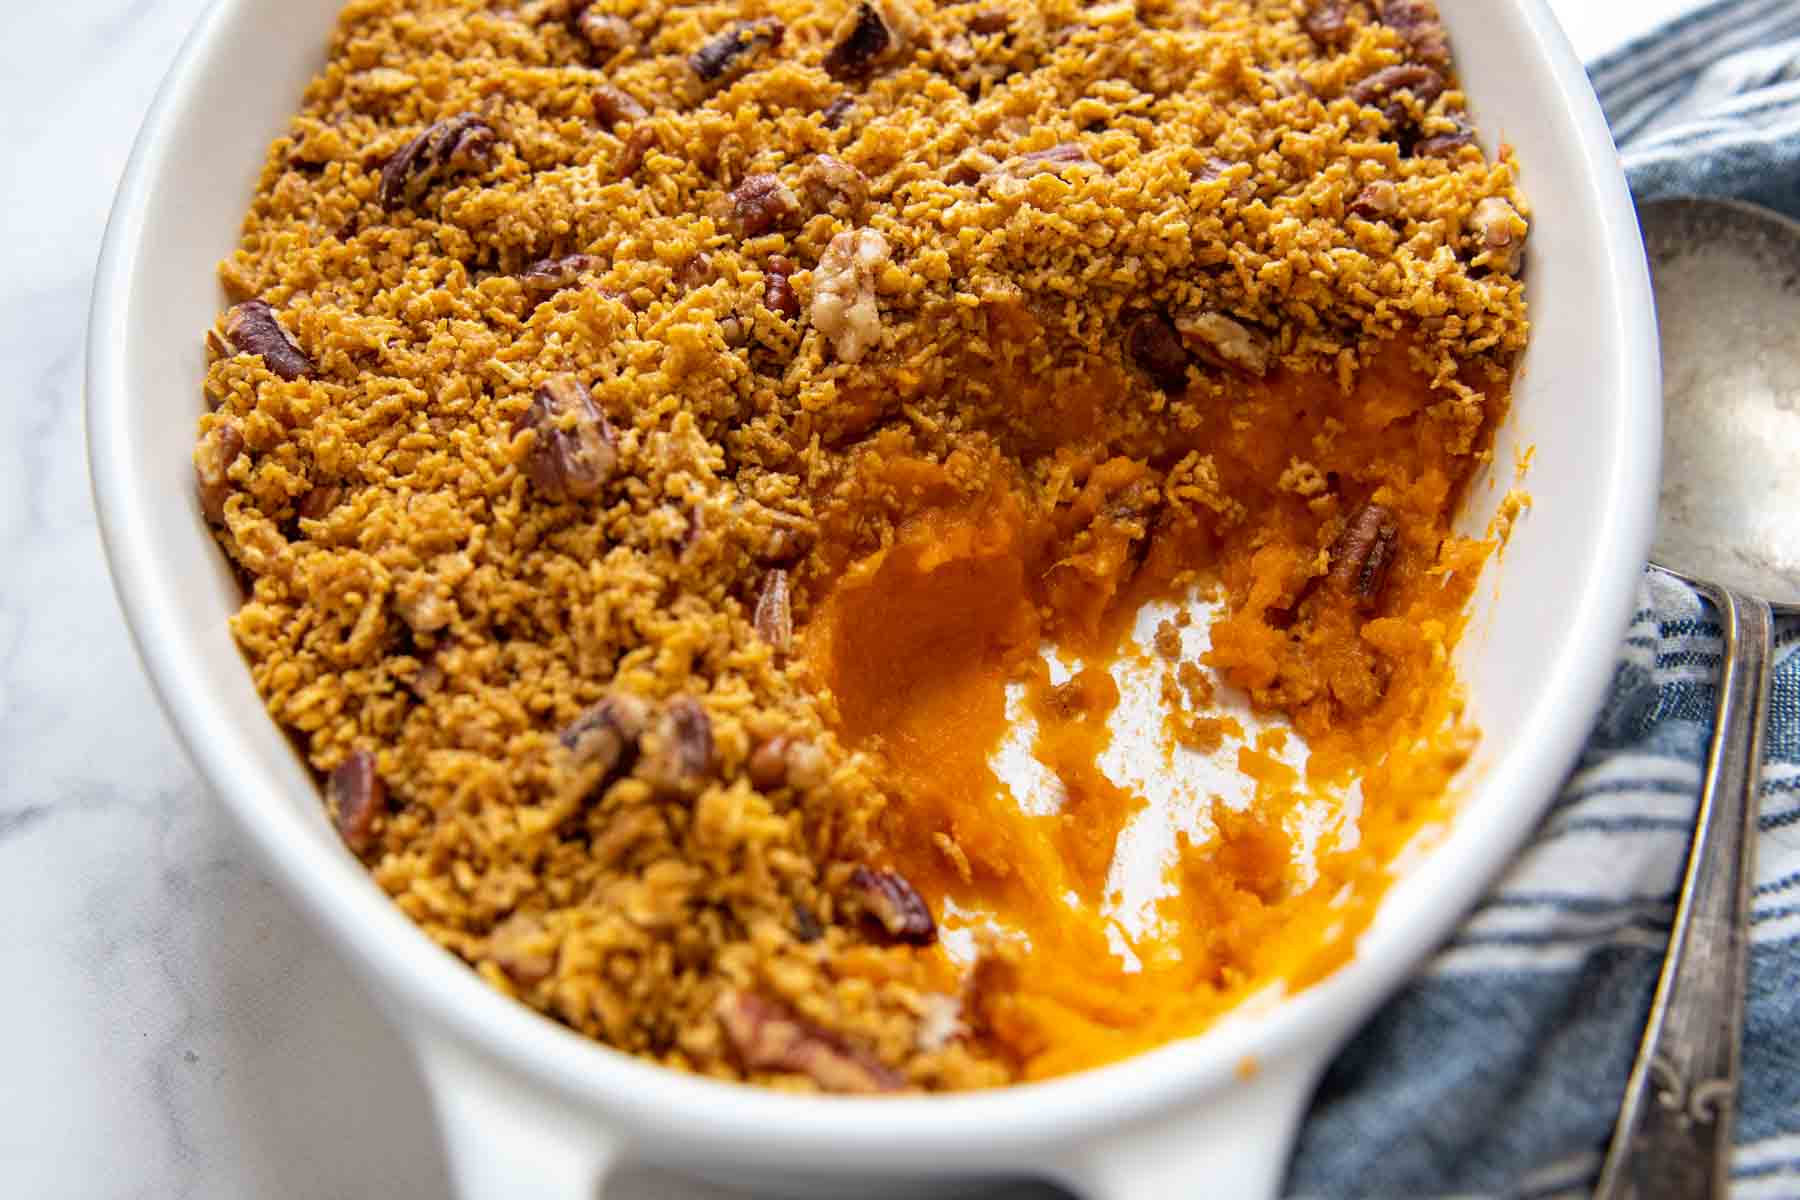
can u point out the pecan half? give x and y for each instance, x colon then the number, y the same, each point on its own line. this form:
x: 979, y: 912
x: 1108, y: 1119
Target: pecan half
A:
x: 863, y: 40
x: 356, y: 797
x: 605, y: 33
x: 631, y: 155
x: 1377, y: 201
x: 1500, y: 234
x: 456, y: 145
x: 774, y: 613
x: 606, y: 735
x: 990, y: 21
x: 767, y: 1036
x: 829, y: 180
x: 894, y: 904
x: 573, y: 451
x: 212, y: 463
x: 1051, y: 161
x: 520, y: 946
x: 731, y: 53
x: 550, y: 275
x: 1442, y: 145
x: 678, y: 748
x: 253, y: 328
x: 1419, y: 26
x: 612, y: 105
x: 1327, y: 23
x: 843, y: 303
x: 788, y: 761
x: 807, y: 927
x: 1156, y: 347
x: 836, y: 111
x: 778, y: 292
x: 1383, y: 89
x: 1217, y: 339
x: 696, y: 272
x: 762, y: 202
x: 319, y: 500
x: 1363, y: 554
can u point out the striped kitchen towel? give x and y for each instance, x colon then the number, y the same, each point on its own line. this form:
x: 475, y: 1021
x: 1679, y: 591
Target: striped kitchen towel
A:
x: 1499, y: 1071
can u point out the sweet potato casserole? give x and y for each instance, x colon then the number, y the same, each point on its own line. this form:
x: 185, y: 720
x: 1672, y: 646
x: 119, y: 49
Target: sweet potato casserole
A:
x: 671, y: 451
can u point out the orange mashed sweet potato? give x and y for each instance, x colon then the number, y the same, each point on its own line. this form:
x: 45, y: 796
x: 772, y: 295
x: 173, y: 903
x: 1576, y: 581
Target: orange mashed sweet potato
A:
x: 968, y: 592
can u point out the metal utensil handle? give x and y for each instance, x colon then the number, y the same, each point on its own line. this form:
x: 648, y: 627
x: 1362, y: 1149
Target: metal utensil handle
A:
x: 1673, y: 1138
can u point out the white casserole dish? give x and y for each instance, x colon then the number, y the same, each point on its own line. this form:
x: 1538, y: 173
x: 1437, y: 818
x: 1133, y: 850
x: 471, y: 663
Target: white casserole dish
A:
x: 530, y: 1109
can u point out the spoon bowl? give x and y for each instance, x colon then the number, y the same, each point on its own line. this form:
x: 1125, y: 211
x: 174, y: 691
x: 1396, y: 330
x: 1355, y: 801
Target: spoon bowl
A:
x: 1727, y: 281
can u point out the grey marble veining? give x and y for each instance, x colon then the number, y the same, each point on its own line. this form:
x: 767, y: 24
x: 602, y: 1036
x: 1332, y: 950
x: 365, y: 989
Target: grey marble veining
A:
x: 172, y: 1028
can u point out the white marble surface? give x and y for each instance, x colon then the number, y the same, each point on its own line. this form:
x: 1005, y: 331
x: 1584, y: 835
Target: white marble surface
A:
x: 171, y: 1028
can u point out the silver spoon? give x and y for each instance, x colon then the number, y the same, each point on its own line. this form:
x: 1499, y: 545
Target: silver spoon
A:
x: 1728, y: 302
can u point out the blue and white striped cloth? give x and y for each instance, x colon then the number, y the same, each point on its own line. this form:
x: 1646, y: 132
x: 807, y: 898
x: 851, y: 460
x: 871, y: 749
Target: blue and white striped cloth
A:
x: 1499, y: 1071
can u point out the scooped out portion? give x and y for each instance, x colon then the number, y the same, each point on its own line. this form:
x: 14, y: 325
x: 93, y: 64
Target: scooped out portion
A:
x: 1335, y: 613
x: 873, y: 546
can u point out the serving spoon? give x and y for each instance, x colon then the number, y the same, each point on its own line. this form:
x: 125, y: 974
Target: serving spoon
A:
x: 1727, y: 279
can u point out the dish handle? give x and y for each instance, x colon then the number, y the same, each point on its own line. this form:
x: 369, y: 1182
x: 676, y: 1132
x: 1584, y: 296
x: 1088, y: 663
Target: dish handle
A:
x: 503, y: 1140
x: 1235, y: 1144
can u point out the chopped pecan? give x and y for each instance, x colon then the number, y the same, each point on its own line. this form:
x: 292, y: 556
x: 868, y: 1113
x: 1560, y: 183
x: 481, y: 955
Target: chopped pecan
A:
x: 1383, y: 88
x: 1363, y: 554
x: 554, y: 274
x: 1156, y: 347
x: 631, y: 154
x: 778, y: 293
x: 1217, y: 339
x: 253, y: 328
x: 1419, y: 26
x: 678, y: 748
x: 612, y: 105
x: 212, y: 463
x: 573, y: 452
x: 829, y: 180
x: 836, y: 111
x: 319, y: 500
x: 894, y: 904
x: 356, y: 798
x: 455, y: 145
x: 730, y: 54
x: 1328, y: 23
x: 521, y: 947
x: 605, y: 33
x: 1378, y: 201
x: 766, y: 1036
x: 843, y: 303
x: 606, y: 735
x: 863, y: 41
x: 762, y: 202
x: 774, y: 613
x: 1500, y: 234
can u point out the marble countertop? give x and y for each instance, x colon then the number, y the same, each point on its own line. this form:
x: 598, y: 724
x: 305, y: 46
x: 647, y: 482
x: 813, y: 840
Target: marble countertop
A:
x: 173, y: 1029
